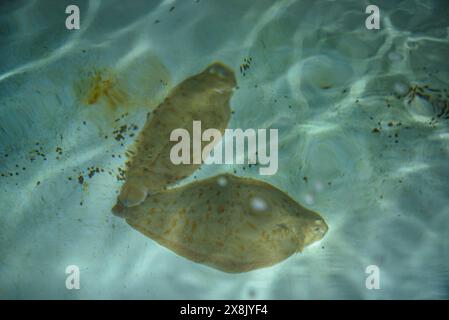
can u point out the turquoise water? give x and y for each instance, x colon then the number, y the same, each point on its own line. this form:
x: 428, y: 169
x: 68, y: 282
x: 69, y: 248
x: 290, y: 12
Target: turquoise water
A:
x: 363, y: 140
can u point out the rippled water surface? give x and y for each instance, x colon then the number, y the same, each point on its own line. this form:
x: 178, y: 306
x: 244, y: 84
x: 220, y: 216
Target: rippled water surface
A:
x: 363, y: 125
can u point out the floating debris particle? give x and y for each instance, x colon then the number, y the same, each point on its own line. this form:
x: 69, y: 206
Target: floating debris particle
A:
x: 245, y: 65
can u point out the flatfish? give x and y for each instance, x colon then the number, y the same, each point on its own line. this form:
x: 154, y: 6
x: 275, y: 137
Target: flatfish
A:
x: 203, y: 97
x: 230, y: 223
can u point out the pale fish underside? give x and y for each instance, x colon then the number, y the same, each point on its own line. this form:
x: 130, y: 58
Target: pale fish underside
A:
x: 230, y: 223
x: 204, y: 97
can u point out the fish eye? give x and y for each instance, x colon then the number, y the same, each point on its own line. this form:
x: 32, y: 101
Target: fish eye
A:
x: 218, y: 70
x: 319, y: 227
